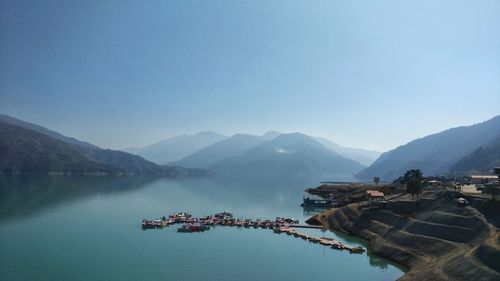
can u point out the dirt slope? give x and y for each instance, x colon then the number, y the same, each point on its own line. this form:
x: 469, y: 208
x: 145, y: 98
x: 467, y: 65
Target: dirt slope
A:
x: 435, y: 237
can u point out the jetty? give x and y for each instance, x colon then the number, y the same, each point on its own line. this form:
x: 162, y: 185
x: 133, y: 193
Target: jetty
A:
x: 278, y: 226
x: 307, y: 226
x: 330, y: 242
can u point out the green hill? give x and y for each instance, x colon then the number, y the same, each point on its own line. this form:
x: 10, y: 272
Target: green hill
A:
x: 26, y: 151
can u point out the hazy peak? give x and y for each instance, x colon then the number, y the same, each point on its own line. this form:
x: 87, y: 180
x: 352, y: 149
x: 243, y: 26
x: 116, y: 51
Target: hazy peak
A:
x: 208, y: 133
x: 178, y: 147
x: 269, y: 135
x: 363, y: 156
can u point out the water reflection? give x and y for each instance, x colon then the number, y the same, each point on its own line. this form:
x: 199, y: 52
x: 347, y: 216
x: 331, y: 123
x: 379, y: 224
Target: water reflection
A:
x: 377, y: 261
x: 28, y: 195
x: 109, y: 211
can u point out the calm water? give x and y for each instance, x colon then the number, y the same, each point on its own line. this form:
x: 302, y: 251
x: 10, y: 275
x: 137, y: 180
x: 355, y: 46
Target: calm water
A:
x: 57, y: 228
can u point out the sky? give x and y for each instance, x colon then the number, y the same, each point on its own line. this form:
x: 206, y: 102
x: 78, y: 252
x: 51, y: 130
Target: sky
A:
x: 371, y: 74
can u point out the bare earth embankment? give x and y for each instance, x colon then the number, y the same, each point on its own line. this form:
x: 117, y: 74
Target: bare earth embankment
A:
x: 436, y: 238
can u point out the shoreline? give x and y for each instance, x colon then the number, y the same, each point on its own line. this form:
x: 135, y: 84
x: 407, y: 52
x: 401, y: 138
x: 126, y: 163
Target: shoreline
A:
x: 433, y: 240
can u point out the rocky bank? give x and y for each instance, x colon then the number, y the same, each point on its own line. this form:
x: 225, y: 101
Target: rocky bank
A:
x: 435, y: 237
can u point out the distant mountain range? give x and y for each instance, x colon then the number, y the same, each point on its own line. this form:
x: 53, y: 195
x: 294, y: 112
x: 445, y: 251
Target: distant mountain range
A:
x: 363, y: 156
x: 204, y: 149
x: 289, y: 155
x: 176, y: 148
x: 228, y: 148
x: 301, y: 156
x: 438, y: 153
x: 29, y: 148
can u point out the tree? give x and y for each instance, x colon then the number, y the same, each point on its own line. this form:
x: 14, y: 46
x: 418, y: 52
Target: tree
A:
x: 376, y: 180
x: 413, y: 180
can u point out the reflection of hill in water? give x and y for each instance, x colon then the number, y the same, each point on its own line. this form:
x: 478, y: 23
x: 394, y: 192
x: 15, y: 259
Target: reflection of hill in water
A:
x: 27, y: 195
x: 255, y: 190
x: 379, y: 262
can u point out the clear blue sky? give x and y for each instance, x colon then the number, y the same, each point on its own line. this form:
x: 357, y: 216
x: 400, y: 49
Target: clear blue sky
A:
x: 373, y: 74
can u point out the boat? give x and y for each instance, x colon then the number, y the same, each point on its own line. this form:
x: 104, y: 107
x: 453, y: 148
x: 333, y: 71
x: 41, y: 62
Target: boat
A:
x: 180, y: 217
x: 316, y: 201
x: 149, y: 224
x: 193, y: 228
x: 357, y: 250
x: 224, y: 215
x: 337, y: 245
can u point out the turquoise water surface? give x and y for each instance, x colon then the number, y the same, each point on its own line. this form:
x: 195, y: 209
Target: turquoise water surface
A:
x: 88, y: 228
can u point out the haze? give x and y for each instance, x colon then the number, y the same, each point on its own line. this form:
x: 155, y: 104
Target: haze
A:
x: 372, y: 74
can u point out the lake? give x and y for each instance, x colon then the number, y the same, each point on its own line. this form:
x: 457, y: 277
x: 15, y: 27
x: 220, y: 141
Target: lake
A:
x: 88, y: 228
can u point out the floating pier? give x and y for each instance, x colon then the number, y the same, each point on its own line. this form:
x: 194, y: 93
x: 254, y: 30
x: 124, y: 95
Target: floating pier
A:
x: 306, y: 226
x: 330, y: 242
x: 279, y: 225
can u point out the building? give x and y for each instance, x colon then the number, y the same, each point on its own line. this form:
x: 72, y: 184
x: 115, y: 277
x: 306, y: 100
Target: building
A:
x: 482, y: 179
x: 374, y: 197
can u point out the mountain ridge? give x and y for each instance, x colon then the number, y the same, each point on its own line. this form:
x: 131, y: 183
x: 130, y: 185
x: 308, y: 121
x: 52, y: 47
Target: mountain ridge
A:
x: 227, y: 148
x: 481, y: 161
x: 433, y: 154
x: 28, y: 151
x: 289, y: 155
x: 217, y: 151
x: 361, y: 155
x: 37, y: 128
x: 175, y: 148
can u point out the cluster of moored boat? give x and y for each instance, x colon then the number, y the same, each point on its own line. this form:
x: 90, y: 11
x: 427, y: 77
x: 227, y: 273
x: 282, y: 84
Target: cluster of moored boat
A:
x: 191, y: 224
x: 279, y: 225
x: 164, y: 221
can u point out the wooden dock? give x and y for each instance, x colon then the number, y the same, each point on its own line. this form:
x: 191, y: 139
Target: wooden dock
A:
x: 306, y: 226
x: 330, y: 242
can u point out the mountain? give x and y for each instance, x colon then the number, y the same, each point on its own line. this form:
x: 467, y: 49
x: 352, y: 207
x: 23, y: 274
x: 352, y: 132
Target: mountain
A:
x: 13, y: 121
x: 230, y: 147
x: 24, y: 150
x: 121, y: 160
x: 363, y: 156
x: 269, y: 135
x: 481, y: 161
x: 27, y: 151
x: 176, y: 148
x: 289, y: 156
x: 433, y: 154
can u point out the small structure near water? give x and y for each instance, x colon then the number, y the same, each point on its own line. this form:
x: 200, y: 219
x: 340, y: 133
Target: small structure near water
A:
x: 374, y: 197
x: 310, y: 200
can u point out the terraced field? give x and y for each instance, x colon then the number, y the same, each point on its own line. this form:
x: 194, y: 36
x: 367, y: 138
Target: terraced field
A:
x: 436, y: 237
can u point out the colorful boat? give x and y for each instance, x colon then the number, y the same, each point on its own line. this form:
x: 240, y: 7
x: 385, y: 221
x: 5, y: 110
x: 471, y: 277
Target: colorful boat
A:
x: 193, y: 228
